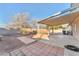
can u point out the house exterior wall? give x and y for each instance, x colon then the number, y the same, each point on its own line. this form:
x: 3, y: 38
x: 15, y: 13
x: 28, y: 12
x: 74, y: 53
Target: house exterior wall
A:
x: 75, y: 28
x: 75, y: 24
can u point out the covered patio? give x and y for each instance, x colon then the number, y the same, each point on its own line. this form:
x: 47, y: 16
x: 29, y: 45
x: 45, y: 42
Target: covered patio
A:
x: 72, y: 19
x: 68, y: 18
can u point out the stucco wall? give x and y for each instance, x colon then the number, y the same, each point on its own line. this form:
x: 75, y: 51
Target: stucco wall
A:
x: 75, y: 28
x: 75, y: 24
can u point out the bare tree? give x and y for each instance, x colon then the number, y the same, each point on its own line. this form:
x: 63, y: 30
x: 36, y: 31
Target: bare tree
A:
x: 19, y: 20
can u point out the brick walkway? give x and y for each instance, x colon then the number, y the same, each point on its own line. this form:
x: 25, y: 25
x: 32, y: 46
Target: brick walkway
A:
x: 42, y: 49
x: 14, y: 47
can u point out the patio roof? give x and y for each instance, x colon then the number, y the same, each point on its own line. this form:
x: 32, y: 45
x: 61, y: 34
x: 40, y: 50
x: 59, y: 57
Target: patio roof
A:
x: 64, y: 19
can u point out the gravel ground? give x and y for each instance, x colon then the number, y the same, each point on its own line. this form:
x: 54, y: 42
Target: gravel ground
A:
x: 9, y: 44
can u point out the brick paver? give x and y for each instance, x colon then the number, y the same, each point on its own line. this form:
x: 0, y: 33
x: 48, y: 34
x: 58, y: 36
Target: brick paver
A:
x: 14, y: 47
x: 42, y: 49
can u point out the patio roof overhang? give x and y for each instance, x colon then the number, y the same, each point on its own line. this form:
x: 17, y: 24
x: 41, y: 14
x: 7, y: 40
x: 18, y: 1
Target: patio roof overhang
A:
x: 68, y: 18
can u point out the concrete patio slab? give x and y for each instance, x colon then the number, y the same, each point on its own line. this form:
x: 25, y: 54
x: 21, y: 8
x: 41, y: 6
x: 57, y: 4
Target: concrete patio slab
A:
x: 26, y: 40
x: 61, y: 41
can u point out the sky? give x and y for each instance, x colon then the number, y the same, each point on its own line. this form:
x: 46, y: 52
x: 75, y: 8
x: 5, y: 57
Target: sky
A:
x: 35, y: 11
